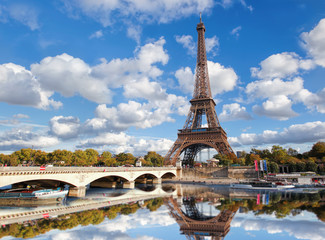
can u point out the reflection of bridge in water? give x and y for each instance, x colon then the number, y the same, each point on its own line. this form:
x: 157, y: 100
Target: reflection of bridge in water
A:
x: 95, y: 200
x: 192, y: 222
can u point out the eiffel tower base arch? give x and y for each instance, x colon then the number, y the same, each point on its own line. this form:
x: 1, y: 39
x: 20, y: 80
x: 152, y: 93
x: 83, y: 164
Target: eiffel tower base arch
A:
x: 192, y: 142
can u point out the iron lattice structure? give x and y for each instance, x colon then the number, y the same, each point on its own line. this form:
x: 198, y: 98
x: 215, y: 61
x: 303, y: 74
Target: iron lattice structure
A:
x: 194, y: 137
x: 195, y: 226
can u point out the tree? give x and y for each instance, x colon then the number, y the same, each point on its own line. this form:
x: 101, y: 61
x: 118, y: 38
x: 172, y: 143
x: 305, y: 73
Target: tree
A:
x: 79, y: 158
x: 292, y: 152
x: 264, y: 154
x: 154, y: 159
x: 40, y: 157
x: 14, y: 160
x: 300, y: 166
x: 125, y: 158
x: 273, y: 167
x: 318, y: 150
x: 279, y: 154
x: 92, y: 156
x: 250, y: 158
x: 107, y: 159
x: 311, y: 166
x: 60, y: 157
x: 24, y: 155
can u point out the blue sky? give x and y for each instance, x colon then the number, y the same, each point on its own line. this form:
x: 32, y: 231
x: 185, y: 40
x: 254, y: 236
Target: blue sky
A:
x: 118, y: 75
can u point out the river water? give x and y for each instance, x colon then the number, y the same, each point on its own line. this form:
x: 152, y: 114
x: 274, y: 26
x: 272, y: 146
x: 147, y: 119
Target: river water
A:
x: 172, y: 211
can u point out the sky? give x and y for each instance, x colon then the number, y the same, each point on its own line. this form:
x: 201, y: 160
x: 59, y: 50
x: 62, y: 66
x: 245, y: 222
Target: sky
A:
x: 118, y: 75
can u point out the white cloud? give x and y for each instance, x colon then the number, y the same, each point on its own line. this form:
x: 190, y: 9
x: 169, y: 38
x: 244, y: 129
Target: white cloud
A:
x: 25, y: 14
x: 118, y: 72
x: 297, y: 133
x: 106, y: 139
x: 312, y: 100
x: 299, y: 229
x: 97, y: 34
x: 134, y: 32
x: 229, y: 3
x: 20, y: 115
x: 314, y: 43
x: 143, y: 88
x: 68, y: 75
x: 235, y: 31
x: 222, y: 79
x: 25, y: 138
x: 161, y: 11
x: 121, y: 142
x: 278, y: 107
x: 281, y: 65
x: 18, y: 86
x: 275, y: 87
x: 65, y: 127
x: 233, y: 112
x: 142, y: 115
x: 212, y: 44
x: 187, y: 42
x: 185, y: 79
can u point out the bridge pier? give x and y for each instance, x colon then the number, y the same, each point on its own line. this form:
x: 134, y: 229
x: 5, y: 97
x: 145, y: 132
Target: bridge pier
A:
x: 77, y: 192
x: 129, y: 184
x: 156, y: 181
x: 179, y: 173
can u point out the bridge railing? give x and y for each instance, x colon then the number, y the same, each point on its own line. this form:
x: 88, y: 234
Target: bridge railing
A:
x: 85, y: 169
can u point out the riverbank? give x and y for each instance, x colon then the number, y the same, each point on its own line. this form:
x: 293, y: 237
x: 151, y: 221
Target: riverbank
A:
x: 206, y: 181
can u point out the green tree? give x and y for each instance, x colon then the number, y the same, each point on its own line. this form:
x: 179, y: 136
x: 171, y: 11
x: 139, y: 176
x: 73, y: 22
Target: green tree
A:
x: 79, y: 158
x: 279, y: 154
x: 92, y: 156
x: 250, y: 158
x: 24, y: 155
x: 154, y: 159
x: 318, y: 150
x: 273, y: 167
x: 311, y: 166
x: 61, y: 157
x: 292, y: 152
x: 125, y: 158
x: 40, y: 157
x: 107, y: 159
x: 300, y: 166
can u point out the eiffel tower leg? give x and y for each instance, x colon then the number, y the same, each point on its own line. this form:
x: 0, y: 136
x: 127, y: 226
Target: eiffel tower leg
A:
x: 189, y: 155
x: 174, y: 152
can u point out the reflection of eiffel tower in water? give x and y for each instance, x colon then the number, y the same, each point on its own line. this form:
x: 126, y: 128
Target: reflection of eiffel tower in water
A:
x: 195, y: 135
x: 195, y: 225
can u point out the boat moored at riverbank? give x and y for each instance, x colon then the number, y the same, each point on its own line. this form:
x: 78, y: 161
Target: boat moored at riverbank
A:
x: 31, y: 196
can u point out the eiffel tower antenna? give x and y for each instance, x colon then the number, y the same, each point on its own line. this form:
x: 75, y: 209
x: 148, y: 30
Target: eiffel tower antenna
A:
x: 195, y: 136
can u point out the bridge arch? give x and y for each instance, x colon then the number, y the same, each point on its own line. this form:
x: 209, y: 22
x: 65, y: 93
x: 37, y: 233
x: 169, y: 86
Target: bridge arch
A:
x: 33, y: 178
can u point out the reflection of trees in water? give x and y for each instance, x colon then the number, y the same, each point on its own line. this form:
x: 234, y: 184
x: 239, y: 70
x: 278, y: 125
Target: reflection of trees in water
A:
x: 36, y: 227
x: 281, y: 206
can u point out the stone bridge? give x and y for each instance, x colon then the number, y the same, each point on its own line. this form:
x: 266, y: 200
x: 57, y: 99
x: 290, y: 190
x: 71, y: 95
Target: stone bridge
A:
x: 79, y: 177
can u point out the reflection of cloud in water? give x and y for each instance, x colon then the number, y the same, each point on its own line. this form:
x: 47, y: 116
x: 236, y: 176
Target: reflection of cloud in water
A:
x: 300, y: 229
x: 92, y: 233
x: 115, y: 229
x: 139, y: 219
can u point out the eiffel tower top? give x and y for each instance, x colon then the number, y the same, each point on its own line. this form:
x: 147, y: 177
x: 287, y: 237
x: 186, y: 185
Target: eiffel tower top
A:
x: 202, y: 83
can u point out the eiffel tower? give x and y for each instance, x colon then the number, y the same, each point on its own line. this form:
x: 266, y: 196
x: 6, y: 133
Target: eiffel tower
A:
x: 195, y: 136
